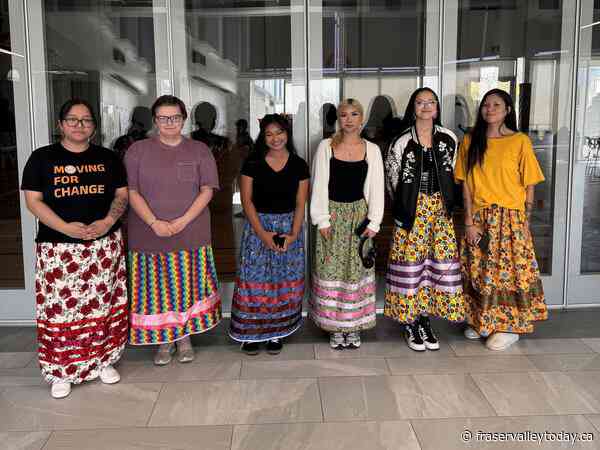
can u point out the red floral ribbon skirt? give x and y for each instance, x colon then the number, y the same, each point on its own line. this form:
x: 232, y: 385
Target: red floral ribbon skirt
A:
x: 81, y: 307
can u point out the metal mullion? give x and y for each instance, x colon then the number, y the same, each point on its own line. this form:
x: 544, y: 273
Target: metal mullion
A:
x: 572, y: 151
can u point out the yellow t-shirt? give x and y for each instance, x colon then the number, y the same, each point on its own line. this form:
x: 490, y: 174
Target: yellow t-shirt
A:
x: 509, y: 166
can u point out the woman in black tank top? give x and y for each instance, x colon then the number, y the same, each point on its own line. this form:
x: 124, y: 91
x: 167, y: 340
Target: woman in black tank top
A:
x: 343, y: 291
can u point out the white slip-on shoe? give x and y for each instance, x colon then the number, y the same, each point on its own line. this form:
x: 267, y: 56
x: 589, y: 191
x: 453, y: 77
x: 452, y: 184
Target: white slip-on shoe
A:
x: 501, y: 341
x: 109, y: 375
x: 471, y: 334
x: 60, y: 389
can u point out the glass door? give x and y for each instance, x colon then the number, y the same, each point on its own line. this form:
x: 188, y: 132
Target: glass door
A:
x: 237, y: 61
x: 525, y: 48
x: 584, y: 249
x: 106, y: 52
x: 17, y: 227
x: 377, y: 52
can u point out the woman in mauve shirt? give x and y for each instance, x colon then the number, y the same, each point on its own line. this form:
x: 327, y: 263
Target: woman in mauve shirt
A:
x: 173, y: 280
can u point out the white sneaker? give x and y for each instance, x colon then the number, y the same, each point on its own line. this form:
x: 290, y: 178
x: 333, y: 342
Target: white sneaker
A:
x: 501, y: 341
x: 336, y: 341
x: 352, y: 340
x: 109, y: 375
x: 60, y: 389
x: 471, y: 334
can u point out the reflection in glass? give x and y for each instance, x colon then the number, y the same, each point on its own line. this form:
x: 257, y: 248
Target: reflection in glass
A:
x: 115, y: 71
x: 514, y: 45
x: 239, y: 68
x: 361, y: 61
x: 11, y: 242
x: 587, y: 163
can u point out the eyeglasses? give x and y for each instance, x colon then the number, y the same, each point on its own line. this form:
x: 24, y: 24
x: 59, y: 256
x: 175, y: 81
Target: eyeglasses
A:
x: 164, y: 120
x: 74, y: 122
x: 423, y: 104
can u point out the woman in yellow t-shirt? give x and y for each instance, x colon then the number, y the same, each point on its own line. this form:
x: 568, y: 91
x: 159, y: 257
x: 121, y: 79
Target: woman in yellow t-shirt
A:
x: 498, y: 170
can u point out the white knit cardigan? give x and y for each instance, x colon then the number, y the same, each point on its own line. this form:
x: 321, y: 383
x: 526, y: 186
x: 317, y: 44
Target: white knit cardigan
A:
x: 373, y: 189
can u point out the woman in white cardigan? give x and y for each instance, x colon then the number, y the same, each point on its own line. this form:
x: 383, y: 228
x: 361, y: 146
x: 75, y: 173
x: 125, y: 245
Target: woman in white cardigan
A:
x: 347, y: 191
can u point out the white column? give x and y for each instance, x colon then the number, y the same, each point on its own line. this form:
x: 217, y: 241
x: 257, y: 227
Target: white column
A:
x: 431, y: 76
x: 162, y: 47
x: 450, y: 44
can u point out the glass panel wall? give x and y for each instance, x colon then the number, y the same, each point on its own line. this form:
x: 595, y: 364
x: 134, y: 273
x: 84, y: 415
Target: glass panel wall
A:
x: 11, y: 239
x: 232, y: 61
x: 587, y: 159
x: 103, y: 51
x: 377, y: 52
x: 584, y: 238
x: 526, y: 49
x: 237, y: 61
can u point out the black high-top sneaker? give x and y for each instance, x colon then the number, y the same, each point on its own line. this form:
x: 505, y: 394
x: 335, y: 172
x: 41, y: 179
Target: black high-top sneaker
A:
x: 413, y: 337
x: 428, y: 335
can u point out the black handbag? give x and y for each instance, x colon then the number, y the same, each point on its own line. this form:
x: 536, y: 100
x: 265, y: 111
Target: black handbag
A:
x: 368, y: 260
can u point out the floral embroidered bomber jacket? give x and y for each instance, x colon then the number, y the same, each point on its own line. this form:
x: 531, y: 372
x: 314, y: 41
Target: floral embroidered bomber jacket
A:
x: 403, y: 168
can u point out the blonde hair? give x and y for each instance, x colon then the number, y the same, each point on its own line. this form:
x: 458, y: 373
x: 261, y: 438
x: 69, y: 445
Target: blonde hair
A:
x: 336, y: 139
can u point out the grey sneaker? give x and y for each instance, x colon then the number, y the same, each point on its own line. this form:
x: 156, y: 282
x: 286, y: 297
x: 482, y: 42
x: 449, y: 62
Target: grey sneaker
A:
x: 185, y: 352
x: 164, y: 354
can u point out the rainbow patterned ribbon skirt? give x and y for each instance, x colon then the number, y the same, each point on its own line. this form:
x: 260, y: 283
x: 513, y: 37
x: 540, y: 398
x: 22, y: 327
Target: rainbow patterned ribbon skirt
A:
x: 173, y: 295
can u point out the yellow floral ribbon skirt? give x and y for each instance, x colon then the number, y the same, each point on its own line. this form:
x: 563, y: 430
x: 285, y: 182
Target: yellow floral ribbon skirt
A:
x: 503, y: 290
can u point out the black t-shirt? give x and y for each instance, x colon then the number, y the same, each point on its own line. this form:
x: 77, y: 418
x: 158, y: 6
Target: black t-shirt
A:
x: 275, y: 192
x: 78, y: 187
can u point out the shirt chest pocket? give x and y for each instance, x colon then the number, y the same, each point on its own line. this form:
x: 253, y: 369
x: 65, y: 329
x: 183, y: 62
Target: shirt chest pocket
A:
x: 186, y: 171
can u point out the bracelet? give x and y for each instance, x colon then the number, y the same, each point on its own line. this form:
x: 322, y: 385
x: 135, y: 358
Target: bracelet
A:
x: 153, y: 222
x: 469, y: 224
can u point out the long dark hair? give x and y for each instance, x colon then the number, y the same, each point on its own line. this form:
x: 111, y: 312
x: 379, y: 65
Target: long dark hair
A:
x: 260, y: 147
x: 479, y: 133
x: 410, y: 118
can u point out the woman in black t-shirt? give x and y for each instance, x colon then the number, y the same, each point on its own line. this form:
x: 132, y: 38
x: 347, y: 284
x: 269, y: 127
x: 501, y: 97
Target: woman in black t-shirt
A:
x: 269, y: 289
x: 78, y: 192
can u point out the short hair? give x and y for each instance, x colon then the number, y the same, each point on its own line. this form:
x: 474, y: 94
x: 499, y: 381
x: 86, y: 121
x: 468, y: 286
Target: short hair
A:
x: 65, y: 109
x: 169, y: 100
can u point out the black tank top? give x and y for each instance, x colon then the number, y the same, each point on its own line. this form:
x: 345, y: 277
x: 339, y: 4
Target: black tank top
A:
x: 347, y: 179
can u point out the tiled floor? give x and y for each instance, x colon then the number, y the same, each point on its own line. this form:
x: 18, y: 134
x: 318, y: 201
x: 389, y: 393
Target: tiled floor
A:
x: 381, y: 397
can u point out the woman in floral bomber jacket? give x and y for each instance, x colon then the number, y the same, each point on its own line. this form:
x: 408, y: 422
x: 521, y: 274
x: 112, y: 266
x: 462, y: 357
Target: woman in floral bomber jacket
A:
x: 423, y: 276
